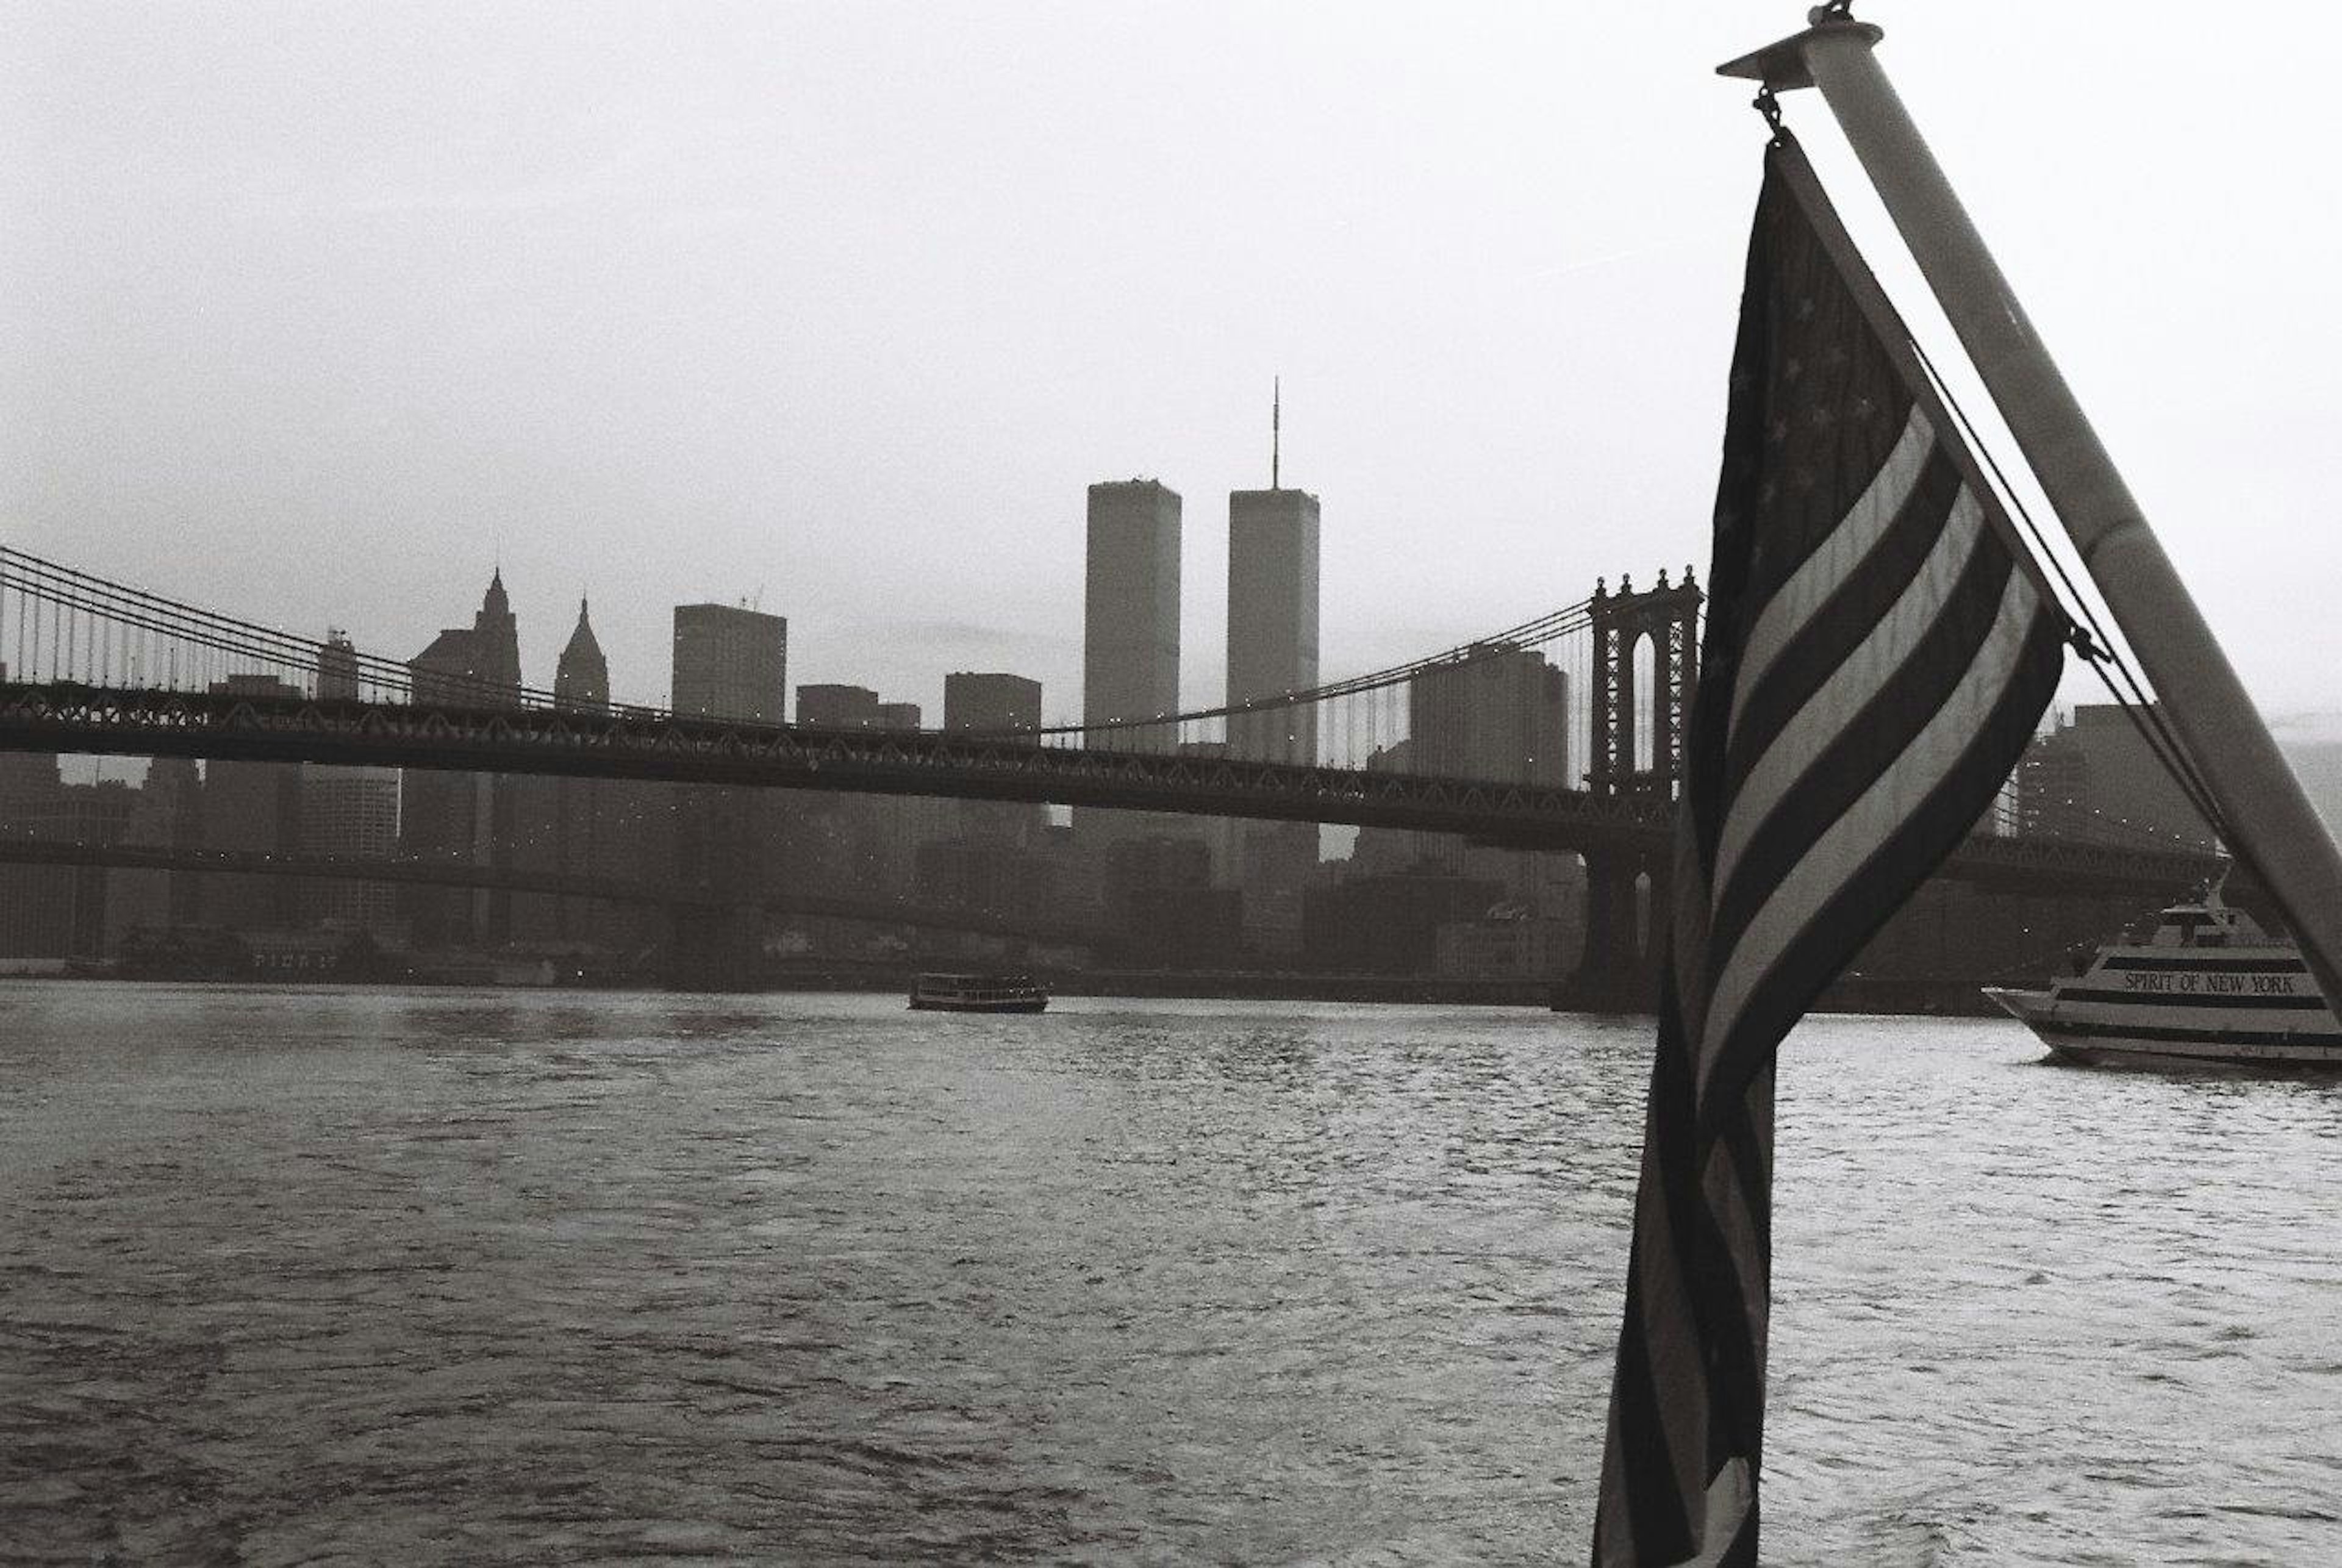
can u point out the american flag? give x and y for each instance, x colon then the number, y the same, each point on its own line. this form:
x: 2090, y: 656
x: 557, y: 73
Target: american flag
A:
x: 1879, y: 650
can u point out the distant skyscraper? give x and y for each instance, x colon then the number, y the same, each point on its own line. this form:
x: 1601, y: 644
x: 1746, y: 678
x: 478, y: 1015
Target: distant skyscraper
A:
x: 463, y: 817
x: 1272, y: 621
x: 731, y: 663
x: 1130, y: 608
x: 581, y: 680
x: 338, y: 666
x: 898, y: 716
x: 254, y: 807
x: 833, y: 706
x: 351, y: 814
x: 1496, y: 714
x: 977, y: 699
x: 993, y: 703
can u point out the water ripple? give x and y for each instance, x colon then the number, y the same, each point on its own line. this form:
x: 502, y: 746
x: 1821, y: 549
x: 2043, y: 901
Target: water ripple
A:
x: 352, y: 1277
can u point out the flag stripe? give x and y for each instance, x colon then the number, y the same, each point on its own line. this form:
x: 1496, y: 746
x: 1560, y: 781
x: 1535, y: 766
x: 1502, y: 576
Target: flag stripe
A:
x: 1929, y: 833
x: 1853, y: 685
x: 1935, y: 674
x: 1818, y: 575
x: 1831, y: 636
x: 1789, y: 907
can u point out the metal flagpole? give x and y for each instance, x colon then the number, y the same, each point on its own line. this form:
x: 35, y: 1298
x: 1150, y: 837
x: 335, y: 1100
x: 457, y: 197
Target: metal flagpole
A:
x: 2274, y: 830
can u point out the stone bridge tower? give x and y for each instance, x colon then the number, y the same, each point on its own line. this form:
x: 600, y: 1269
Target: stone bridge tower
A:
x: 1618, y: 971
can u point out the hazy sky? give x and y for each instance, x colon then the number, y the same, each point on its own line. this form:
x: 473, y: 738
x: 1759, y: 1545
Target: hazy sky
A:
x: 312, y: 310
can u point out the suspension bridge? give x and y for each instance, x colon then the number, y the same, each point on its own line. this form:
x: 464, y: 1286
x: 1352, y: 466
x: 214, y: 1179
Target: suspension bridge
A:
x: 93, y: 667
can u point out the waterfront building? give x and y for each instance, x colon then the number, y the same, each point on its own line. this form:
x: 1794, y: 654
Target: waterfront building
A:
x: 350, y: 813
x: 254, y: 808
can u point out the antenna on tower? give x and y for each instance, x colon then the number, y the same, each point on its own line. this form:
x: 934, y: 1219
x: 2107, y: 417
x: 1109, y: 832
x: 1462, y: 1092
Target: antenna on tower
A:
x: 1275, y: 428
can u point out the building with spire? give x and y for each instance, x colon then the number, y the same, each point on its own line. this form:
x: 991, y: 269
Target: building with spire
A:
x: 466, y: 818
x: 581, y: 680
x: 608, y: 830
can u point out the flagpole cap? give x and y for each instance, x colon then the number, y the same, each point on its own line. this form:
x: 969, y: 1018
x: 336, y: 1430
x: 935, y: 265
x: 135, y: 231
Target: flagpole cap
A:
x: 1782, y: 66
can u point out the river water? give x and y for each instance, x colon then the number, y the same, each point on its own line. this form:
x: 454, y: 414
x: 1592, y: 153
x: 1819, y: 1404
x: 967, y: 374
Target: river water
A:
x: 431, y: 1277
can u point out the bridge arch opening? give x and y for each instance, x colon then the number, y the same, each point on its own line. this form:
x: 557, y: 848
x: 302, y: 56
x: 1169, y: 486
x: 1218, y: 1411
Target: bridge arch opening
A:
x: 1642, y: 688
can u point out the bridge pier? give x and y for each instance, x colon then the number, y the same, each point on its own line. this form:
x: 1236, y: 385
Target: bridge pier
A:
x: 1626, y: 915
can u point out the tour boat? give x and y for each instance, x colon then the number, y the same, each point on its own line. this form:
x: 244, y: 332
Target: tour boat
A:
x: 978, y: 994
x: 2209, y: 987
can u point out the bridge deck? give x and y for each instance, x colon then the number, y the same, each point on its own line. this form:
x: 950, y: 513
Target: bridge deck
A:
x: 642, y: 745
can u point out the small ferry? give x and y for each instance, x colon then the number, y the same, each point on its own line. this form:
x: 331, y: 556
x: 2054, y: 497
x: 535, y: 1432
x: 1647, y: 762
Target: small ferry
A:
x: 978, y: 994
x: 2209, y: 987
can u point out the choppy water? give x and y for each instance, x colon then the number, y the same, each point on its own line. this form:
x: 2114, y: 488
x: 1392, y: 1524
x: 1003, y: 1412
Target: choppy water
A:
x: 417, y: 1278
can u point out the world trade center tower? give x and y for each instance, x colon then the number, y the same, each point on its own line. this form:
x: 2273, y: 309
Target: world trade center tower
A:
x: 1272, y: 621
x: 1130, y: 613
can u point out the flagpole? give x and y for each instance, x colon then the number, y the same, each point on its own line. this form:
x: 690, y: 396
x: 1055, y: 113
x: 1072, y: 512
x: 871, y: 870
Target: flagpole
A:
x: 2271, y: 825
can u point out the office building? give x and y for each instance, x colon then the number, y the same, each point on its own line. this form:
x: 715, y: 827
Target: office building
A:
x: 254, y: 808
x: 338, y: 667
x: 731, y: 663
x: 2097, y: 779
x: 990, y: 702
x: 464, y: 818
x: 1272, y: 621
x: 350, y: 813
x: 832, y: 706
x: 1130, y: 609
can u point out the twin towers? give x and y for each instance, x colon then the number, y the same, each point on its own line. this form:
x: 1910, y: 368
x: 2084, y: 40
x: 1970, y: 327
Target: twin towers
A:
x: 1130, y: 615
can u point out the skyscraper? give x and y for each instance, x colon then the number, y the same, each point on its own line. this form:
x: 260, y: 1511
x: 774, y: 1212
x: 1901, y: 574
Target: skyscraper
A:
x: 461, y: 817
x: 1130, y: 609
x: 731, y: 663
x: 1272, y: 621
x: 1496, y: 714
x: 989, y: 700
x: 338, y: 666
x: 256, y: 807
x: 352, y: 813
x: 581, y: 680
x: 991, y: 703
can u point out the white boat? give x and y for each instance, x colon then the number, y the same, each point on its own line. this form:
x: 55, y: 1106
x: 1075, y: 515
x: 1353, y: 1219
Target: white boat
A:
x: 978, y: 994
x: 2209, y: 988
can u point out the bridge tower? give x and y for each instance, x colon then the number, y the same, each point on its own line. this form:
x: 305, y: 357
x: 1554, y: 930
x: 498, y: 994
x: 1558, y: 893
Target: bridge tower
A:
x: 1618, y: 971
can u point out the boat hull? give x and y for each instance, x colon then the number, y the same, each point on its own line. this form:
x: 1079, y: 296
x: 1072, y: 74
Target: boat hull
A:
x: 941, y: 1004
x: 2107, y: 1036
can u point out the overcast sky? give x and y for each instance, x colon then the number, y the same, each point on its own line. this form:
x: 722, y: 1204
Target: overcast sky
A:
x: 313, y: 311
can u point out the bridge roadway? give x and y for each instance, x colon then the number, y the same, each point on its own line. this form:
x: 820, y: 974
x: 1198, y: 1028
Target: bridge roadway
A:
x: 639, y: 744
x: 18, y: 851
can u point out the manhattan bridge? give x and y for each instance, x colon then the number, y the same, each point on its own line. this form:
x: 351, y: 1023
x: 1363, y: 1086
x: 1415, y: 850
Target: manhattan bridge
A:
x: 90, y: 666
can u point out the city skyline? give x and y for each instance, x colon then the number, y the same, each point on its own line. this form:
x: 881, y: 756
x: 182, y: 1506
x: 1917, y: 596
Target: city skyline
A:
x: 339, y: 299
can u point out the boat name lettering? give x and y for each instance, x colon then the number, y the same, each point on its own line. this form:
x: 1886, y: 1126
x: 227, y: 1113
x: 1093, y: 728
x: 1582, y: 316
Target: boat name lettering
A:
x: 2256, y: 984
